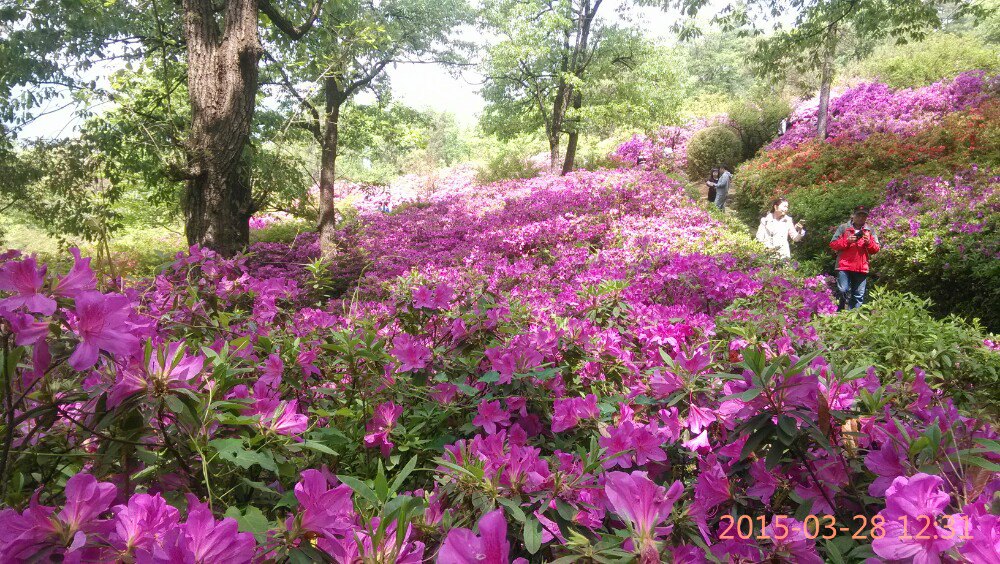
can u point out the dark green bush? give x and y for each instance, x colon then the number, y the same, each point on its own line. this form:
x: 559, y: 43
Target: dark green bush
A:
x: 756, y: 122
x: 897, y: 332
x: 711, y: 147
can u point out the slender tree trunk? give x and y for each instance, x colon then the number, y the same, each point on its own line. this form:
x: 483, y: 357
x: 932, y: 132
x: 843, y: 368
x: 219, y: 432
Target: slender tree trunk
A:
x: 574, y: 137
x: 826, y: 82
x: 578, y: 65
x: 222, y: 84
x: 328, y: 170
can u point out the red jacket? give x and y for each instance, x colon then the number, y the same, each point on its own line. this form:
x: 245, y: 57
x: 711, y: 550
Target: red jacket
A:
x: 852, y: 255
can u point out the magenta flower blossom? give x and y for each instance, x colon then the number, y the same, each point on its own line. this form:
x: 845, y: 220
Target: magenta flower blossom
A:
x: 380, y: 426
x: 167, y: 370
x: 27, y: 330
x: 101, y: 325
x: 324, y: 510
x: 644, y: 505
x: 141, y: 524
x: 490, y: 546
x: 567, y: 412
x: 25, y: 279
x: 794, y: 545
x: 203, y: 540
x: 23, y: 535
x: 763, y: 482
x: 79, y: 279
x: 984, y: 546
x: 491, y: 416
x: 643, y: 442
x: 410, y: 353
x: 281, y: 417
x: 40, y: 529
x: 438, y: 298
x: 887, y: 463
x: 918, y: 499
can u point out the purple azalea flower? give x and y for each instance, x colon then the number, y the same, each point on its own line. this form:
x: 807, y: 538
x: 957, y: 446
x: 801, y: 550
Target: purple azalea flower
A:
x: 203, y: 540
x: 141, y: 524
x: 79, y: 279
x: 324, y: 510
x: 410, y: 353
x: 381, y: 425
x: 101, y: 325
x: 166, y: 370
x: 491, y: 416
x: 490, y: 546
x: 916, y: 498
x: 644, y: 505
x: 25, y: 279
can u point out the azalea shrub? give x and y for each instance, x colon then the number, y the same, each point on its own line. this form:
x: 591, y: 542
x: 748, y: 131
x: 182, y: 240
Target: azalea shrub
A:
x: 878, y: 137
x: 899, y: 335
x: 558, y: 368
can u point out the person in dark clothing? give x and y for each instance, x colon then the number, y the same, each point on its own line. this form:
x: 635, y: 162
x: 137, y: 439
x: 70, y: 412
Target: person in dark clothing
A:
x: 713, y: 177
x: 854, y: 244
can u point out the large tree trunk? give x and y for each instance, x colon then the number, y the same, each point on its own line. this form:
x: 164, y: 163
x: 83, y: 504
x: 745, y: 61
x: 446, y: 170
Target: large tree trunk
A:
x: 328, y: 170
x: 826, y: 83
x: 222, y: 84
x: 574, y: 137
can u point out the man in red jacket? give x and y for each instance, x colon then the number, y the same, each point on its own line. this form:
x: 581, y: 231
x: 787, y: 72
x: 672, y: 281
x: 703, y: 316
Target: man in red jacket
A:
x: 854, y: 243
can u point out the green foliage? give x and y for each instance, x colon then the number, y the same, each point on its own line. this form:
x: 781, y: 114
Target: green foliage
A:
x: 756, y: 121
x: 711, y: 147
x: 507, y: 160
x: 716, y: 63
x: 632, y: 84
x: 897, y: 333
x: 940, y: 56
x: 281, y: 231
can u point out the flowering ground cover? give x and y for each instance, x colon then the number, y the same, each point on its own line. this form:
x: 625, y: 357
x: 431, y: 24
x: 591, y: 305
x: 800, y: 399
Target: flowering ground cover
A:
x: 587, y: 368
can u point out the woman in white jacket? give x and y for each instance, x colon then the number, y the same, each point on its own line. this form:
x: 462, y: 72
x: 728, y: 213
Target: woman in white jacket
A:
x: 777, y: 227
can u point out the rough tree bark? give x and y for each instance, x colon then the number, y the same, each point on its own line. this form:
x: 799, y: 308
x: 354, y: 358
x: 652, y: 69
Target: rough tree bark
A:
x: 222, y: 81
x: 574, y: 137
x: 328, y: 169
x: 222, y: 85
x: 826, y: 82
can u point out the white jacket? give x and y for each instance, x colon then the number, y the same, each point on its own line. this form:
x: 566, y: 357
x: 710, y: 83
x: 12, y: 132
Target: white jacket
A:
x: 774, y: 233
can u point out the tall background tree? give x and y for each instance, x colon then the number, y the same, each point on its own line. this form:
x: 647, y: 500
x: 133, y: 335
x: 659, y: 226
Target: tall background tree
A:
x: 535, y: 71
x: 355, y: 43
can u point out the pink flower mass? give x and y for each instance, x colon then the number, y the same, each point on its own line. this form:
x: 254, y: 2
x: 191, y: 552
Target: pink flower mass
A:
x: 581, y: 367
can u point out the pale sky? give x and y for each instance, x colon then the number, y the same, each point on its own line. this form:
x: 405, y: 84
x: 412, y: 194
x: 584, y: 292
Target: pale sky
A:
x: 422, y: 86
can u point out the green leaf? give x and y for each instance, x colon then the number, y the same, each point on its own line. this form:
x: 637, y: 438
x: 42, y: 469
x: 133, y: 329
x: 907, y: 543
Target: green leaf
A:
x: 490, y: 377
x: 532, y: 534
x: 360, y: 488
x: 755, y: 440
x: 993, y: 446
x: 381, y: 483
x: 233, y: 451
x: 834, y: 553
x: 513, y: 508
x: 774, y: 456
x: 250, y: 521
x: 403, y: 474
x: 982, y: 463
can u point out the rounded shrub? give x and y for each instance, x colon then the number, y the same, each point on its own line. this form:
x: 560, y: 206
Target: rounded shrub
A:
x: 710, y: 147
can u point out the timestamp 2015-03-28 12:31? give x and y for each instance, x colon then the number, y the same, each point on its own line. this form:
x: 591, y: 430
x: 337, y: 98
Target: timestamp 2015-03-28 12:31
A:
x: 923, y: 527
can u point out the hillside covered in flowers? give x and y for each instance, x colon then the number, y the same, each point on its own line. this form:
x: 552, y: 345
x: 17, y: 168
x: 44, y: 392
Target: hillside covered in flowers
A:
x: 579, y: 368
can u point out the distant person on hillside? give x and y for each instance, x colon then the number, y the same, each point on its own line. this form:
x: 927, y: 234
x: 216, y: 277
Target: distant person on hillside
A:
x: 713, y: 177
x: 777, y: 227
x: 722, y: 187
x: 854, y: 243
